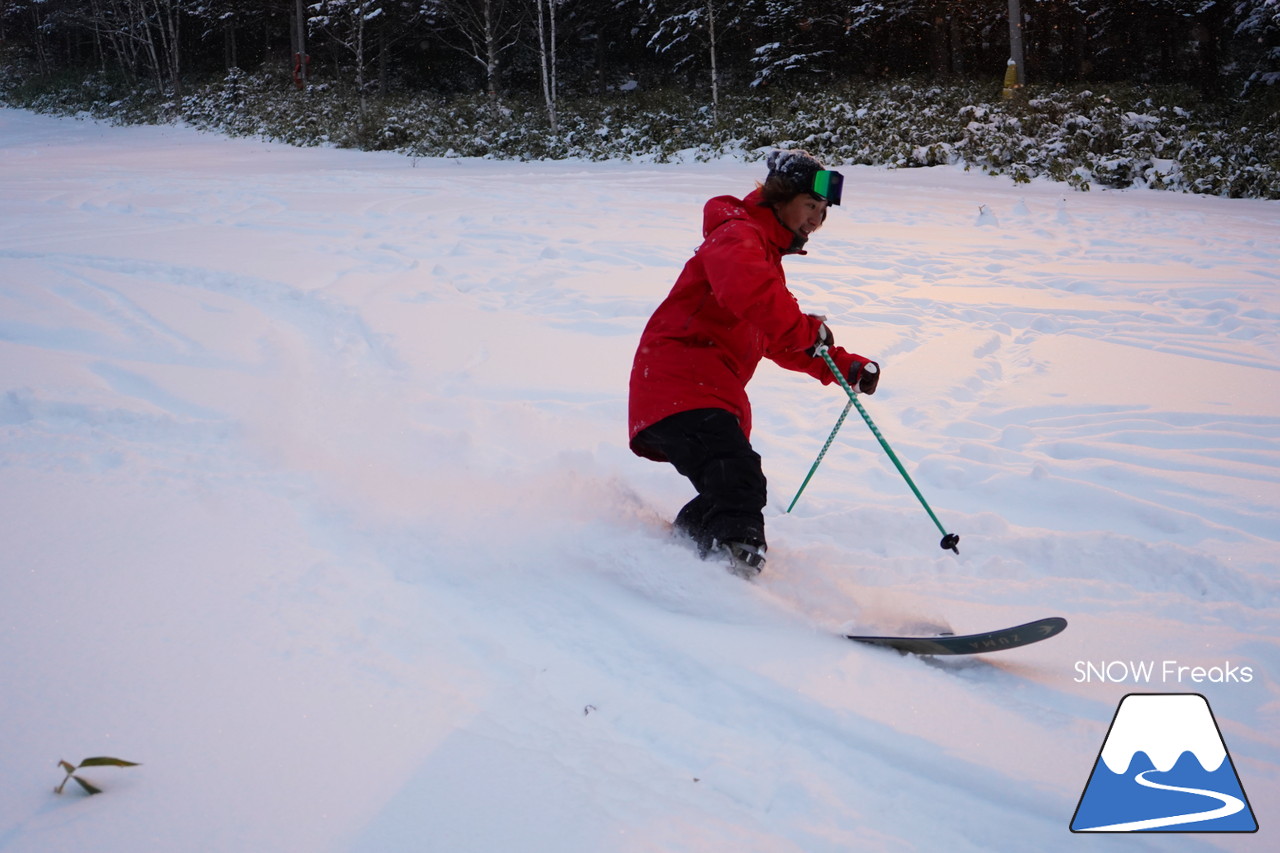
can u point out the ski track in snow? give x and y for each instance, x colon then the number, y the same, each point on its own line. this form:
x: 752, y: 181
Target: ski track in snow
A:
x: 317, y: 502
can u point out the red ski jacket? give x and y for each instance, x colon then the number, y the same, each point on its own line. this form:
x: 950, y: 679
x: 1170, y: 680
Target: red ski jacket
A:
x: 729, y: 308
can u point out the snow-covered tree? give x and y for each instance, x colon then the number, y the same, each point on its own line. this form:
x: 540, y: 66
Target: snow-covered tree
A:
x: 1153, y: 39
x: 35, y: 19
x: 488, y: 29
x: 346, y: 23
x: 1257, y: 31
x: 796, y: 37
x: 365, y: 30
x: 145, y: 36
x: 224, y: 19
x: 943, y: 36
x: 686, y: 30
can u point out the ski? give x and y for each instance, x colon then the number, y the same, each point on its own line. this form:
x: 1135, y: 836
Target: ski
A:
x: 971, y: 644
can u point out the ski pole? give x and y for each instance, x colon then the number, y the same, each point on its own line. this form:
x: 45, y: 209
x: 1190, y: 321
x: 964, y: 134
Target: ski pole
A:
x: 949, y: 540
x: 822, y: 453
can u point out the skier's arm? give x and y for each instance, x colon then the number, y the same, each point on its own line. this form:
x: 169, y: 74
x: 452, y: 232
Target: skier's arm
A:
x: 852, y: 366
x: 751, y: 287
x: 746, y: 283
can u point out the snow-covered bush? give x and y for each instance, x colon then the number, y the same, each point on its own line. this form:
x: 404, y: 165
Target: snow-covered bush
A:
x: 1166, y: 139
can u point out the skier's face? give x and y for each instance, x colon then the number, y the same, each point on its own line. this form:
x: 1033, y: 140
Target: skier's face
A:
x: 804, y: 214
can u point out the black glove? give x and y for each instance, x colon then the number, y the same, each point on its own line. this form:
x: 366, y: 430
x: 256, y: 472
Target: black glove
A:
x: 825, y: 338
x: 864, y: 377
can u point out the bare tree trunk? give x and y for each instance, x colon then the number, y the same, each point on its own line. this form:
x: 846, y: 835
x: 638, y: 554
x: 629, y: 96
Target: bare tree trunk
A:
x: 169, y: 21
x: 555, y: 89
x: 300, y: 42
x: 491, y: 54
x: 149, y: 43
x: 957, y: 42
x: 42, y: 57
x: 116, y: 31
x: 382, y: 62
x: 938, y: 44
x: 488, y: 29
x: 360, y: 62
x: 100, y: 50
x: 1080, y: 46
x: 715, y: 74
x: 229, y: 48
x: 158, y: 35
x: 546, y: 56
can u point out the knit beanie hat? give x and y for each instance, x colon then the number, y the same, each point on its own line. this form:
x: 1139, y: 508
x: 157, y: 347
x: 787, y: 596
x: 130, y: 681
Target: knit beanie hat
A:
x: 804, y: 173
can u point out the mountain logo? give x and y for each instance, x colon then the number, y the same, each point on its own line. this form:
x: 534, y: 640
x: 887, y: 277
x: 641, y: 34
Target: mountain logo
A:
x: 1164, y: 767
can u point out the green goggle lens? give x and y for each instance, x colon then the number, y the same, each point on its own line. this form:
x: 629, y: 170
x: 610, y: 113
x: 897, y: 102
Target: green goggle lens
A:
x: 828, y: 185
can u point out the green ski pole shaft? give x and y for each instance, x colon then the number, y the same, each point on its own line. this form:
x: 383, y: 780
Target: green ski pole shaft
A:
x: 822, y: 453
x: 949, y: 540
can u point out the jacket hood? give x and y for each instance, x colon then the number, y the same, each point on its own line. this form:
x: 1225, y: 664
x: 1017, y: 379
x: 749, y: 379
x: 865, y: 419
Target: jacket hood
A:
x: 725, y: 208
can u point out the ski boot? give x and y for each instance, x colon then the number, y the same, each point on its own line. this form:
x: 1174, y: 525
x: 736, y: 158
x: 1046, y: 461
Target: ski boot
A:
x: 745, y: 557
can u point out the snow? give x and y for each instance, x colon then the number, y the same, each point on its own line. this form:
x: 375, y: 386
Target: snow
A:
x: 1163, y: 727
x: 316, y: 502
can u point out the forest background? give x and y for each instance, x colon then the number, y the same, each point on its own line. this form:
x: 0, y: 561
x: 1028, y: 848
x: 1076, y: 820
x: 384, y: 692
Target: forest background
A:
x: 1173, y: 94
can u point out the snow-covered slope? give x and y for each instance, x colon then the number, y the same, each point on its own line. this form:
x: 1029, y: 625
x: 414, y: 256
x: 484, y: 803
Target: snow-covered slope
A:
x: 315, y: 500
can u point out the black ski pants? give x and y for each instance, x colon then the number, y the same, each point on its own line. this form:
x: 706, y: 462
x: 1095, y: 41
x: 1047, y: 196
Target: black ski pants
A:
x: 709, y: 447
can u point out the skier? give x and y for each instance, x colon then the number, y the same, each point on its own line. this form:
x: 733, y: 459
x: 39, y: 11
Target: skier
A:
x: 729, y: 308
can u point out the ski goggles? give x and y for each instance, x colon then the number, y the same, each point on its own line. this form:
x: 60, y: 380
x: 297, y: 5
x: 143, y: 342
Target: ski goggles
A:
x: 828, y: 185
